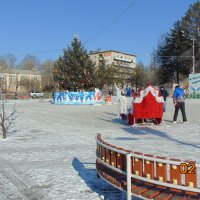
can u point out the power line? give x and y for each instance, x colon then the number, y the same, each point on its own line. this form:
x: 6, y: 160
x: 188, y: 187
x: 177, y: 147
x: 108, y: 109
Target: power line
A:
x: 112, y: 22
x: 46, y: 51
x: 97, y: 33
x: 107, y: 26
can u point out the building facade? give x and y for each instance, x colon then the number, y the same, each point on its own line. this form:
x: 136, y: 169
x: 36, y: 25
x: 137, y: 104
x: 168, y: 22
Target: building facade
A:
x: 123, y: 61
x: 15, y: 80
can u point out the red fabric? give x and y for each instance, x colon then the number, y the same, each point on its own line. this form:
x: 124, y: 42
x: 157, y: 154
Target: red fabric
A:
x: 97, y: 97
x: 109, y: 98
x: 130, y: 119
x: 148, y: 108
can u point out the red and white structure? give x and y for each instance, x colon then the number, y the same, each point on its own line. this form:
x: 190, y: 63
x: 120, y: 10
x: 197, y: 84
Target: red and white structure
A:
x: 149, y: 106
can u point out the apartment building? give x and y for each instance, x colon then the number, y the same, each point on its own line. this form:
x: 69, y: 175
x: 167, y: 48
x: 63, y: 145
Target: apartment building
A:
x: 16, y: 80
x: 124, y: 61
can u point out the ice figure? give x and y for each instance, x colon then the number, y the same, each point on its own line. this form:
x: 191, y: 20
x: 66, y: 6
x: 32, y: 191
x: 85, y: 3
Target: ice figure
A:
x: 118, y: 93
x: 83, y: 99
x: 97, y: 95
x: 92, y: 97
x: 67, y: 98
x: 61, y: 98
x: 79, y: 99
x: 73, y: 99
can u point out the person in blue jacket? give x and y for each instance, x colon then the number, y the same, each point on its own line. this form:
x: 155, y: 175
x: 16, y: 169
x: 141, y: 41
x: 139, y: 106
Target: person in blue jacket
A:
x: 179, y: 103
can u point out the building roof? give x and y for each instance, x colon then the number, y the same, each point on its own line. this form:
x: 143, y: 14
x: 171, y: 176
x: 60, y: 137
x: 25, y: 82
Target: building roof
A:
x: 20, y: 71
x: 97, y: 52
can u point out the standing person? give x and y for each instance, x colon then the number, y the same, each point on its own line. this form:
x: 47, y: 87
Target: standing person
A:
x: 129, y: 92
x: 141, y: 91
x: 164, y: 94
x: 118, y: 93
x: 179, y: 102
x: 110, y: 92
x: 122, y: 104
x: 133, y: 93
x: 137, y: 92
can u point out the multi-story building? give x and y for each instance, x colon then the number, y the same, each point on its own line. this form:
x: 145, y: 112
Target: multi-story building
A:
x: 123, y: 61
x: 15, y: 80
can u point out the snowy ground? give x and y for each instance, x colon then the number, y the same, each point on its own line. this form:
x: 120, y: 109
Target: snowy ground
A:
x: 50, y: 153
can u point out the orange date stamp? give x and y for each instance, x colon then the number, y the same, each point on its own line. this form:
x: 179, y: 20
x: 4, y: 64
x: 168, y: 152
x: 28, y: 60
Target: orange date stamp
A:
x: 187, y: 168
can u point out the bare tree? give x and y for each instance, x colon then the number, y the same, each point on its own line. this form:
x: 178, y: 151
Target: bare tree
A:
x: 3, y: 64
x: 30, y: 84
x: 5, y: 120
x: 7, y: 61
x: 10, y: 60
x: 46, y: 72
x: 29, y: 63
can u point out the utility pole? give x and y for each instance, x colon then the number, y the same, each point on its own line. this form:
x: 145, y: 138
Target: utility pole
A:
x: 193, y: 49
x: 177, y: 64
x: 193, y: 55
x: 154, y: 68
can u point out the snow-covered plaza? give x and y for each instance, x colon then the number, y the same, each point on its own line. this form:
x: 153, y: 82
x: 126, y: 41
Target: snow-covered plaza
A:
x: 50, y: 152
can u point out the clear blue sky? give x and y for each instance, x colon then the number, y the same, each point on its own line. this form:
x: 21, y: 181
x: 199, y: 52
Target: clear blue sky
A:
x: 44, y: 27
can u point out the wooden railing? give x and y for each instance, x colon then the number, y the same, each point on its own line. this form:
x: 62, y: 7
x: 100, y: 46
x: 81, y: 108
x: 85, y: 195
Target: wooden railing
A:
x: 146, y: 176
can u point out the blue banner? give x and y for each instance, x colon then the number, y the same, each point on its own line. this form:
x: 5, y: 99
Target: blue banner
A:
x: 77, y: 98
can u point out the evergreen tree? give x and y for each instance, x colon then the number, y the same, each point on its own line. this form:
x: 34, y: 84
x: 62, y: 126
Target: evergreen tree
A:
x: 74, y: 70
x: 191, y: 27
x: 99, y: 74
x: 104, y: 74
x: 150, y: 72
x: 174, y: 53
x: 139, y: 78
x: 171, y: 56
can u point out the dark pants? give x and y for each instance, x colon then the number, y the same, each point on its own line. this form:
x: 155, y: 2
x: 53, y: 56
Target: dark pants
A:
x: 180, y: 105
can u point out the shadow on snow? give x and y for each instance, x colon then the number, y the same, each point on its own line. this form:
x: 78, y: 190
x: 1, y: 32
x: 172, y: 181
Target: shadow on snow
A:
x: 149, y: 131
x: 89, y: 176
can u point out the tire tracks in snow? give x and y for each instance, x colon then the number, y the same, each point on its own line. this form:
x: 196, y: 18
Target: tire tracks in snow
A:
x: 25, y: 188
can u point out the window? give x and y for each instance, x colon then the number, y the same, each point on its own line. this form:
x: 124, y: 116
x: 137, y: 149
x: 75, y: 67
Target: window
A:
x: 22, y: 77
x: 13, y: 77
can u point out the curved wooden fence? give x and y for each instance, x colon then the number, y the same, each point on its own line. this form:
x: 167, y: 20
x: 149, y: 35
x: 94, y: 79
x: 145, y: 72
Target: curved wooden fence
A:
x: 147, y: 176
